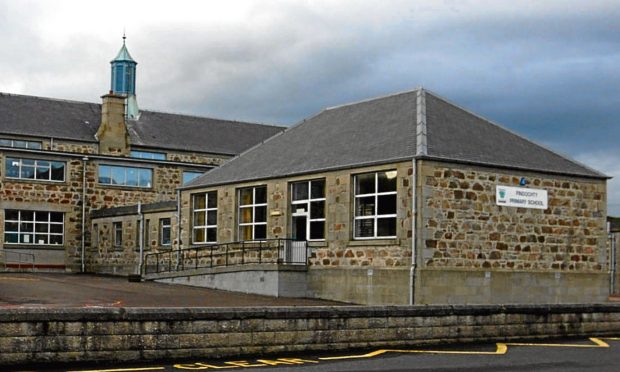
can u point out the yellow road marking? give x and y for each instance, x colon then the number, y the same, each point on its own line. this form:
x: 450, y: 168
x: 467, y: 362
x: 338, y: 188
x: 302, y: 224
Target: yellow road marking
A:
x: 501, y: 348
x: 124, y: 369
x: 19, y: 279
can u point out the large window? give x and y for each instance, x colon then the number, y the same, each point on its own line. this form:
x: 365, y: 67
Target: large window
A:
x: 7, y: 142
x: 253, y: 213
x: 147, y: 155
x: 188, y: 176
x: 125, y: 176
x: 204, y: 207
x: 33, y: 227
x: 117, y: 230
x: 164, y: 231
x: 308, y: 210
x: 375, y: 205
x: 35, y: 169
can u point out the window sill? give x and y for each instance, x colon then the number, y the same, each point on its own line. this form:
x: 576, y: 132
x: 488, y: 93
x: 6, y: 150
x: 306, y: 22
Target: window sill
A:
x: 367, y: 242
x: 30, y: 180
x: 124, y: 187
x: 58, y: 247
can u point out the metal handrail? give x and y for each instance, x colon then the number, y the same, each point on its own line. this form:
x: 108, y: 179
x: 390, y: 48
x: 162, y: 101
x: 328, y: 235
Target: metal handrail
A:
x: 276, y: 251
x: 19, y: 261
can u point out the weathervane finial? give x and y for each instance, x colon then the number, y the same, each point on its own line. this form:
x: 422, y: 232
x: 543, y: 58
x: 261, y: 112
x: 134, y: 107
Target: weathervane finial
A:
x: 124, y: 36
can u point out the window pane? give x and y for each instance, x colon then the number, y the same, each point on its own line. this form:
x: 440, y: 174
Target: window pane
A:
x: 365, y: 206
x: 318, y: 189
x: 43, y: 163
x: 29, y: 162
x: 41, y: 239
x: 146, y: 177
x: 54, y: 228
x: 199, y: 235
x: 132, y: 177
x: 387, y: 181
x: 365, y: 228
x: 260, y: 232
x: 118, y: 176
x: 11, y: 226
x: 199, y: 218
x: 58, y: 171
x: 42, y: 173
x: 261, y: 195
x: 20, y: 144
x: 41, y: 217
x: 11, y: 215
x: 299, y: 208
x: 199, y: 201
x: 12, y: 167
x: 41, y: 227
x: 105, y: 174
x: 245, y: 215
x: 10, y: 237
x: 387, y: 204
x: 261, y: 214
x: 317, y: 230
x: 27, y: 215
x: 365, y: 184
x: 55, y: 239
x: 317, y: 209
x: 27, y: 172
x: 34, y: 145
x: 5, y: 142
x: 245, y: 196
x: 300, y: 191
x: 212, y: 199
x: 212, y: 235
x: 386, y: 226
x: 56, y: 217
x: 245, y: 232
x: 26, y: 238
x: 212, y: 218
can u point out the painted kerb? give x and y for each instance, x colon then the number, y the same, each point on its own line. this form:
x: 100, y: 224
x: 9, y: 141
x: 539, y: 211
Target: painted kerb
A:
x: 65, y: 335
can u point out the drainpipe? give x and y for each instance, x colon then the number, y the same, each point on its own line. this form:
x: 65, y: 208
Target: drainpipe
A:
x: 178, y: 216
x: 414, y: 235
x: 612, y: 259
x: 141, y: 238
x: 82, y: 253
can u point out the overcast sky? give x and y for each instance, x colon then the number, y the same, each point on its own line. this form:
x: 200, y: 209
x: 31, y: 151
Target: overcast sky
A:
x: 549, y: 70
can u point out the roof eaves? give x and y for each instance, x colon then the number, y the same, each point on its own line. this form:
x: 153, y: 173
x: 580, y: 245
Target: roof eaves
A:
x: 295, y: 174
x: 570, y: 159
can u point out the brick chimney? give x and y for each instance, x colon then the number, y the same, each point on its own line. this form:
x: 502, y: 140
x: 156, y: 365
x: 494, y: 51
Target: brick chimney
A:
x: 112, y: 133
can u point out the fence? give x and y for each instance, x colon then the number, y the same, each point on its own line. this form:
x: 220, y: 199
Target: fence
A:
x: 270, y: 251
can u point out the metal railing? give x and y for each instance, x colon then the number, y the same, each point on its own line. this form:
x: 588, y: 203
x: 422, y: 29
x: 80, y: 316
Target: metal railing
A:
x: 270, y: 251
x: 21, y: 260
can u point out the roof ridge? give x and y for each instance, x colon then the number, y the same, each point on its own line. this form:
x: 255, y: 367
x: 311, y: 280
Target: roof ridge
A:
x: 421, y: 142
x: 373, y: 98
x: 555, y: 152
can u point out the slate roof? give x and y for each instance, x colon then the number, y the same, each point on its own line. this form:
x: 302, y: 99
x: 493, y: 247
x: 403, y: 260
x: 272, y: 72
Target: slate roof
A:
x: 79, y: 121
x: 383, y: 130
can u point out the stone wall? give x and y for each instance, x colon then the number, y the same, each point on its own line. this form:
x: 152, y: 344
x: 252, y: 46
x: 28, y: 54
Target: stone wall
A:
x: 133, y: 334
x: 474, y: 251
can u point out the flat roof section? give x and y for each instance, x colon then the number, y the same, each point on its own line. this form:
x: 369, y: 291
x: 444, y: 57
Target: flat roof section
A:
x: 35, y: 290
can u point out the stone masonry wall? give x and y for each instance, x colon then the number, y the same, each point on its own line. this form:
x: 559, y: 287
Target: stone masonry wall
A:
x: 81, y: 335
x: 462, y: 227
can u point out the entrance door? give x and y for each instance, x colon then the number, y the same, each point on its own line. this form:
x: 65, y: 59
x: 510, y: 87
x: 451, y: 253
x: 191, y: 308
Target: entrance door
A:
x: 300, y: 223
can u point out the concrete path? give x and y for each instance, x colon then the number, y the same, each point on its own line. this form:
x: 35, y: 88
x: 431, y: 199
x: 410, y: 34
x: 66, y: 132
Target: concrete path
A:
x: 78, y: 290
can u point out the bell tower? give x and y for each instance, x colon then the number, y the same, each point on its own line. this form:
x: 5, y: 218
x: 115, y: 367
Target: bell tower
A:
x: 123, y: 82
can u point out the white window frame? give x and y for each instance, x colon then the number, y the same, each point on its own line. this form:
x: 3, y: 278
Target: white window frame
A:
x: 125, y: 168
x: 307, y: 202
x: 375, y: 216
x: 253, y: 224
x: 34, y: 167
x: 162, y: 227
x: 152, y: 155
x: 20, y: 222
x: 206, y: 211
x: 34, y: 145
x: 118, y: 243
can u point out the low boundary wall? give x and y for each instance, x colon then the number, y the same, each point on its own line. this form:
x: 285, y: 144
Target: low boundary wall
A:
x: 132, y: 334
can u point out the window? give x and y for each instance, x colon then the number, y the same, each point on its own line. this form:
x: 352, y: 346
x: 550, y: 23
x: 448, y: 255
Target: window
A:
x: 375, y: 205
x: 164, y: 231
x: 188, y: 176
x: 33, y: 227
x: 253, y: 213
x: 33, y: 169
x: 117, y: 230
x: 125, y: 176
x: 6, y: 142
x: 147, y: 155
x: 308, y: 210
x: 204, y: 207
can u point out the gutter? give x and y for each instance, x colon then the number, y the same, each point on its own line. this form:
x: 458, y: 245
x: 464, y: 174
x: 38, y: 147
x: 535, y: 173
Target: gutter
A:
x: 414, y: 235
x: 141, y: 239
x: 612, y: 260
x: 178, y: 216
x: 83, y: 250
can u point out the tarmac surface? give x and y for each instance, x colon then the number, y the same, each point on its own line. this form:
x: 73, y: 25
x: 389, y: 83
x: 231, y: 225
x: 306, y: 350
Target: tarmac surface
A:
x: 28, y: 290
